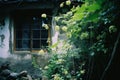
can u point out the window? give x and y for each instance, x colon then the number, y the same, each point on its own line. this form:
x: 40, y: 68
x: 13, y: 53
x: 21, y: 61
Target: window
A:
x: 29, y: 33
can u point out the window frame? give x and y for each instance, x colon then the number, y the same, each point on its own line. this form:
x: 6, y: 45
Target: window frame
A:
x: 31, y: 38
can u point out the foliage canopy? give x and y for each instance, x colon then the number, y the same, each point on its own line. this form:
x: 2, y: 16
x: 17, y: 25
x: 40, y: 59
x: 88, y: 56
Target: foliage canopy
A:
x: 90, y: 29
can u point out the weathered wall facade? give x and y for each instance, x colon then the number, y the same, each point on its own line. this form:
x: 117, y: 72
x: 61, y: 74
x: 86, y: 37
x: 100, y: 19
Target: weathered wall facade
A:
x: 21, y: 60
x: 7, y: 33
x: 7, y: 37
x: 4, y: 37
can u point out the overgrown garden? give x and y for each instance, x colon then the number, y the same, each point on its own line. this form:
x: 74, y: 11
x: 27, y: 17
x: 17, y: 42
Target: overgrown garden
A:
x: 92, y: 34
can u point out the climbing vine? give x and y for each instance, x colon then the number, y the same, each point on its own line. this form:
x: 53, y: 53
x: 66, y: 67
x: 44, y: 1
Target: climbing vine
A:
x: 90, y: 29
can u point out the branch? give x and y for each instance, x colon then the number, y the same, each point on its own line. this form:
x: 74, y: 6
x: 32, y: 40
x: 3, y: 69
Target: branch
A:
x: 112, y: 56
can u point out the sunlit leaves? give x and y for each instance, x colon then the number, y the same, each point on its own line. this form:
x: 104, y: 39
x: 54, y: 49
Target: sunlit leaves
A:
x: 57, y: 77
x: 48, y: 40
x: 60, y: 61
x: 74, y: 31
x: 92, y: 17
x: 94, y: 7
x: 86, y: 9
x: 41, y: 52
x: 79, y: 13
x: 87, y: 30
x: 65, y: 71
x: 54, y: 45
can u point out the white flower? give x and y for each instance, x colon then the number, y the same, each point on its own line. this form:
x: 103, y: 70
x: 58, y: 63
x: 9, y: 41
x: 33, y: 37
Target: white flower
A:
x: 46, y: 26
x: 82, y: 71
x: 68, y: 2
x: 46, y: 67
x: 112, y: 28
x: 41, y: 52
x: 57, y: 28
x: 64, y: 28
x: 62, y: 4
x: 43, y: 15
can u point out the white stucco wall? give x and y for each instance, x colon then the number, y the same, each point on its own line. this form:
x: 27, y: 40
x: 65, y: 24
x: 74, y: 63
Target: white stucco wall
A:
x: 4, y: 45
x: 54, y: 33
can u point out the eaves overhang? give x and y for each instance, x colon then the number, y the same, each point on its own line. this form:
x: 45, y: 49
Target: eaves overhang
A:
x: 10, y: 5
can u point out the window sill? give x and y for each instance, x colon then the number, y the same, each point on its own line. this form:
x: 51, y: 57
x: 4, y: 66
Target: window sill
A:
x: 31, y: 52
x: 22, y: 52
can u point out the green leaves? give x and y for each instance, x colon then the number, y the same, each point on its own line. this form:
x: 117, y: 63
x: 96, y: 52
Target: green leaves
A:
x: 79, y: 12
x: 85, y: 9
x: 95, y: 6
x: 88, y: 30
x: 112, y: 29
x: 84, y: 35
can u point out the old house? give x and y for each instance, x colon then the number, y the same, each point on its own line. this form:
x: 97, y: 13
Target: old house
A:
x: 21, y: 24
x: 21, y: 31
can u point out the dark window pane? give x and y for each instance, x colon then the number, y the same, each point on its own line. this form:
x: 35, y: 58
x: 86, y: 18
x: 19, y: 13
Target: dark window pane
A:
x: 26, y: 34
x: 26, y: 44
x: 44, y: 43
x: 18, y: 43
x: 19, y: 28
x: 18, y: 34
x: 35, y: 19
x: 22, y: 32
x: 22, y: 44
x: 36, y: 43
x: 36, y: 26
x: 44, y: 34
x: 42, y: 28
x: 26, y: 26
x: 36, y: 33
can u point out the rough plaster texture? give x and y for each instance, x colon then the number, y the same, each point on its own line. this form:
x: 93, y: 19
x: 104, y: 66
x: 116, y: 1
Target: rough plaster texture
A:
x: 4, y: 47
x: 21, y: 61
